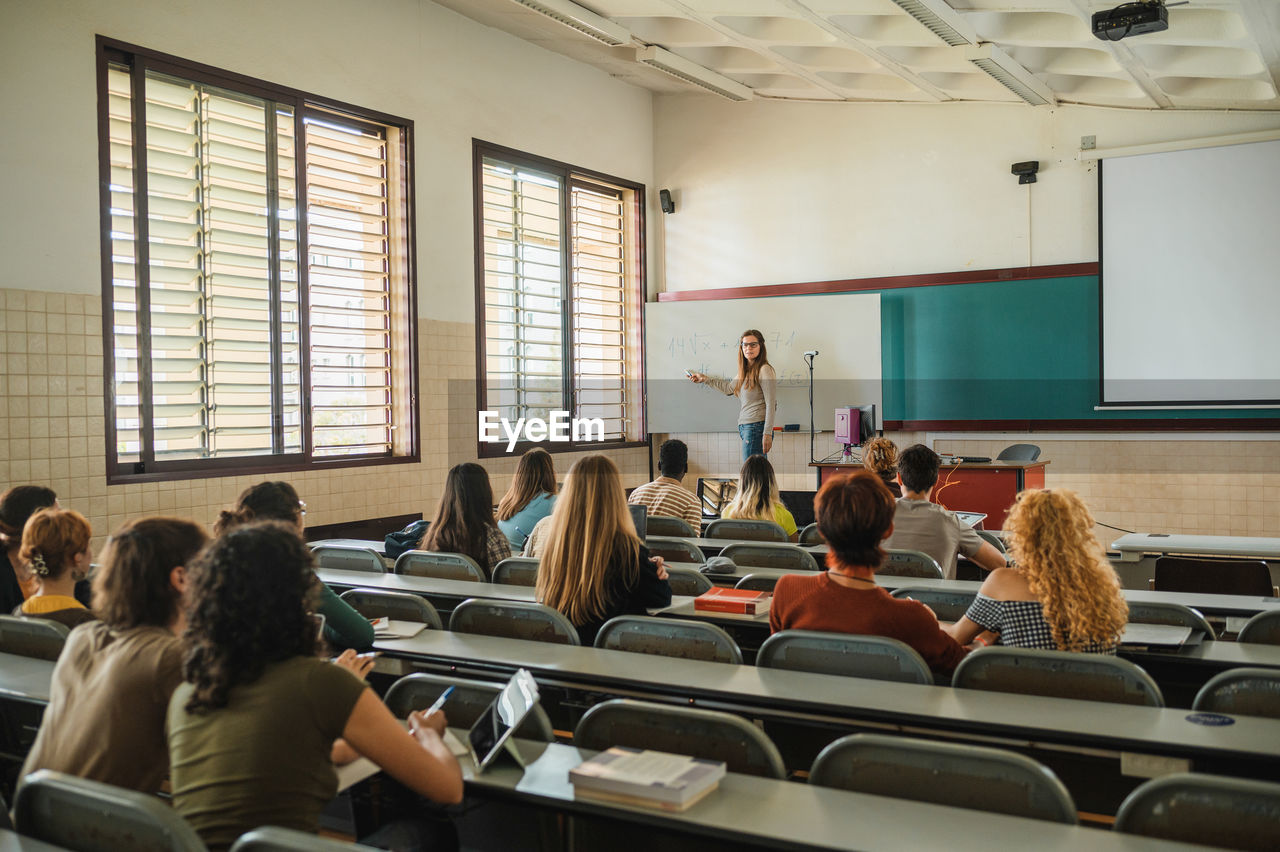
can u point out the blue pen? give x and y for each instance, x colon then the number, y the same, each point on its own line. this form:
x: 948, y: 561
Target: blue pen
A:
x: 444, y: 696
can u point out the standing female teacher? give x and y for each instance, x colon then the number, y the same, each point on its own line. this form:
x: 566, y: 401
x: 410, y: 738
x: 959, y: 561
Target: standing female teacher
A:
x: 756, y: 387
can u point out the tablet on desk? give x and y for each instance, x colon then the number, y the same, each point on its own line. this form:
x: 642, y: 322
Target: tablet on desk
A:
x: 488, y: 736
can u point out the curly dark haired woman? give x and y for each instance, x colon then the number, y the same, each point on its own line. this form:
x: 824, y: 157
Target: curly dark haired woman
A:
x: 254, y: 730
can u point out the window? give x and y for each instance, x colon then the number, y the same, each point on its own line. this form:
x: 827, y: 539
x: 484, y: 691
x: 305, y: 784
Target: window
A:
x: 257, y: 274
x: 560, y: 287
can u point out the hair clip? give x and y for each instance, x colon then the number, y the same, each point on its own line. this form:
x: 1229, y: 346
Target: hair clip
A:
x: 38, y: 565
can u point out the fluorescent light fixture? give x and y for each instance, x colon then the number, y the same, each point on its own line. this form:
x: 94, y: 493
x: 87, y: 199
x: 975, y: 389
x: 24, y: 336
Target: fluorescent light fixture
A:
x: 692, y: 72
x: 941, y: 20
x: 1006, y: 71
x: 581, y: 19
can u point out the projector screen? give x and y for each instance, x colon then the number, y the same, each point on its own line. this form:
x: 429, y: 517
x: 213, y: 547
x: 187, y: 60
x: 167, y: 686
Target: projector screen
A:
x: 1190, y: 261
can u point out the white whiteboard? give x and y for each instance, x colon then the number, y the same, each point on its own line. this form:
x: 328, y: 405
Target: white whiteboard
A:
x: 703, y: 336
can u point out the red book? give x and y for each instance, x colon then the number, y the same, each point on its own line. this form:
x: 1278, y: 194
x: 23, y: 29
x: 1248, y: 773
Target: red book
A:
x: 745, y: 601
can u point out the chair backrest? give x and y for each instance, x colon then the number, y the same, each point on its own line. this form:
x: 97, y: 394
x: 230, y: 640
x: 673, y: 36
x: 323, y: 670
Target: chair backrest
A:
x: 788, y: 557
x: 273, y: 838
x: 32, y: 637
x: 442, y: 566
x: 962, y: 776
x: 1057, y: 674
x: 708, y: 734
x: 514, y: 620
x: 747, y: 530
x: 849, y: 654
x: 992, y: 539
x: 910, y: 563
x: 1262, y: 629
x: 1231, y: 813
x: 946, y: 604
x: 686, y: 581
x: 465, y: 704
x: 517, y: 571
x: 669, y: 637
x: 1019, y: 452
x: 1170, y: 613
x: 810, y: 535
x: 674, y: 549
x: 338, y: 558
x: 1241, y: 692
x: 1212, y: 576
x: 665, y: 525
x: 758, y: 582
x: 89, y: 816
x: 397, y: 606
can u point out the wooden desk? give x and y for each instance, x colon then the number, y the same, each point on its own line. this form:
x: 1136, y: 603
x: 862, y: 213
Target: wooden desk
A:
x: 1133, y: 546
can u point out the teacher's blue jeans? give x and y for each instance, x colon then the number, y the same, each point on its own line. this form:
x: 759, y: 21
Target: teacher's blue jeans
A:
x: 752, y: 435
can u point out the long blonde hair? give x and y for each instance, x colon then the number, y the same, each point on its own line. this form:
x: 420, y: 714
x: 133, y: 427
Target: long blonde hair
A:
x: 757, y: 491
x: 1050, y: 536
x: 535, y: 474
x: 749, y: 371
x: 591, y: 527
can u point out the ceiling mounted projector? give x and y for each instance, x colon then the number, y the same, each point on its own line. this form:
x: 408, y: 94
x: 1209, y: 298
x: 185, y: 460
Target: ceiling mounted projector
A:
x: 1131, y: 19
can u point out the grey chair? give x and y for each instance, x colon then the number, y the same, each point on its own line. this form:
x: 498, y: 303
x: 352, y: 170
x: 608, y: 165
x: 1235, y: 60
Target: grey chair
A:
x: 397, y: 606
x: 757, y: 582
x: 442, y: 566
x: 992, y: 539
x: 1019, y: 452
x: 810, y: 535
x: 1262, y: 629
x: 1213, y: 576
x: 338, y: 558
x: 910, y: 563
x: 517, y: 571
x: 89, y: 816
x: 708, y: 734
x: 275, y: 839
x: 674, y: 549
x: 686, y: 581
x: 465, y: 704
x: 514, y: 620
x: 669, y: 637
x: 1230, y: 813
x: 745, y: 530
x: 1241, y: 692
x: 1057, y: 674
x: 41, y: 638
x: 962, y: 776
x: 1170, y: 613
x: 946, y: 604
x: 788, y: 557
x: 664, y: 525
x: 848, y: 654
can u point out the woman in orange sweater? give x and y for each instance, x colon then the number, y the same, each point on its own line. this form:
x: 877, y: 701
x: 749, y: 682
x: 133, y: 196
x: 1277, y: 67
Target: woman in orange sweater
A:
x: 855, y: 514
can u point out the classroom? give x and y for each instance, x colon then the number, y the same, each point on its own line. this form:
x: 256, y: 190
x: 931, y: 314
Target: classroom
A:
x: 823, y: 179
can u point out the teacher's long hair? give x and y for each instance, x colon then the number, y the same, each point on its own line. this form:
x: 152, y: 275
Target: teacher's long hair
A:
x: 749, y: 372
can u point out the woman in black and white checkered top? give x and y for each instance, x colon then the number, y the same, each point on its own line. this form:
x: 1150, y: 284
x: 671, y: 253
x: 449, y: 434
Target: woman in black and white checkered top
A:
x: 1062, y: 594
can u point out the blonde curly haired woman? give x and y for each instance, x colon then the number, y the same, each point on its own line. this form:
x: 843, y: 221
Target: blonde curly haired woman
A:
x: 880, y: 456
x: 1062, y: 593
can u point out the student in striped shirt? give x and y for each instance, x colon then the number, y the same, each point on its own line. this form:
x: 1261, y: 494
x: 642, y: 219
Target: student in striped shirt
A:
x: 665, y: 496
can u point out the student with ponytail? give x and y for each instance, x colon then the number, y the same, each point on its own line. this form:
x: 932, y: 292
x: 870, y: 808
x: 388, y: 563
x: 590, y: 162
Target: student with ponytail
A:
x: 55, y: 545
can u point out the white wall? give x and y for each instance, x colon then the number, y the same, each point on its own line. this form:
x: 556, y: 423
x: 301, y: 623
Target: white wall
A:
x: 772, y: 193
x: 454, y: 78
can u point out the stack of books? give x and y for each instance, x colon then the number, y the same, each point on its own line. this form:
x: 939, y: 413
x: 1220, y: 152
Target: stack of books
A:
x: 746, y: 601
x: 653, y: 779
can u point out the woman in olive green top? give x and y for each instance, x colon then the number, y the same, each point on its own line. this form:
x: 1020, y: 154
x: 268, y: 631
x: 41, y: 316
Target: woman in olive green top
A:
x: 256, y: 727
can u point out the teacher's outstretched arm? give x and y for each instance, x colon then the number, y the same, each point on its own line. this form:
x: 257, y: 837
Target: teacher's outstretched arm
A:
x: 756, y: 386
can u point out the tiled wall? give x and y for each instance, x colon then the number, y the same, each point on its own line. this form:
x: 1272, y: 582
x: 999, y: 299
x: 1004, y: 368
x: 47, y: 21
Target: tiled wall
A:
x: 52, y: 427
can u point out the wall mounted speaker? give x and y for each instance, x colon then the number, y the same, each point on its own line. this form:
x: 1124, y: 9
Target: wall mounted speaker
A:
x: 664, y: 198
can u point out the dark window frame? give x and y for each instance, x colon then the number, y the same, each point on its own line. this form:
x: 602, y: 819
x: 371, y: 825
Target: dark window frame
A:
x: 567, y: 173
x: 304, y: 104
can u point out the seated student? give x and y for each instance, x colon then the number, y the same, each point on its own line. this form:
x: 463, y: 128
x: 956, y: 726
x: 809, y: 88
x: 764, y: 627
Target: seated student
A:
x: 665, y: 496
x: 759, y: 498
x: 880, y: 456
x: 929, y: 528
x: 255, y: 728
x: 464, y: 522
x: 530, y: 498
x: 278, y: 501
x: 17, y: 582
x: 855, y: 514
x: 594, y: 567
x: 1062, y: 594
x: 111, y: 686
x: 55, y: 543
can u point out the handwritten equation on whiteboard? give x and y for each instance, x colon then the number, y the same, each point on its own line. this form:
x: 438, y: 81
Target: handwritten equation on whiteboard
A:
x: 714, y: 355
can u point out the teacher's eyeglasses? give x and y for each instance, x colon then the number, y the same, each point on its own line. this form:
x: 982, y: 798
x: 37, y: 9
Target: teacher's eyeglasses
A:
x: 751, y: 345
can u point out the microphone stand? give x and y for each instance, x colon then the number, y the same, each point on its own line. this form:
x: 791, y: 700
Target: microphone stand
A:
x: 809, y: 359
